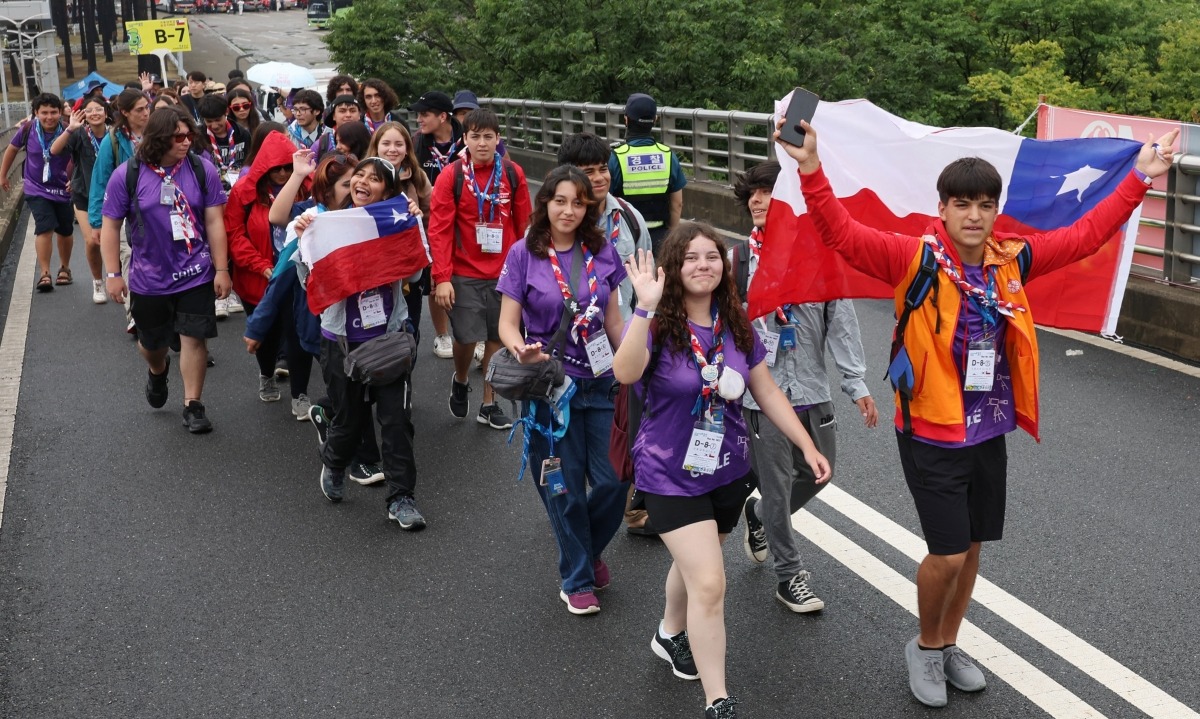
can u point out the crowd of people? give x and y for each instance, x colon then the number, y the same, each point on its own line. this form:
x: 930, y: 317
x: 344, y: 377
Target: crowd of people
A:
x: 196, y: 202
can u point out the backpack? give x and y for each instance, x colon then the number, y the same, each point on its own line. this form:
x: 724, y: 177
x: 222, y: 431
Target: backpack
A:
x: 116, y: 150
x: 131, y: 177
x: 739, y: 260
x: 628, y: 218
x: 510, y: 173
x: 627, y: 415
x: 900, y: 370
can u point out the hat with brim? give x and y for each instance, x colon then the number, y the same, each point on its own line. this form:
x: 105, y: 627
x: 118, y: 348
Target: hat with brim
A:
x: 465, y: 100
x: 433, y: 102
x: 642, y: 110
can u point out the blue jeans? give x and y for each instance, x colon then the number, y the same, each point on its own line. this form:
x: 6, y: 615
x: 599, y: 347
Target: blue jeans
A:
x: 583, y: 521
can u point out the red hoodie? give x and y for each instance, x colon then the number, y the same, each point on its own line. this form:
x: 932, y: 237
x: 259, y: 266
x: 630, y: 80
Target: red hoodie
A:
x: 250, y: 232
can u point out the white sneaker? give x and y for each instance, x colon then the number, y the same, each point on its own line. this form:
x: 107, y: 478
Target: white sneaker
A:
x: 479, y: 347
x: 442, y: 347
x: 222, y: 309
x: 235, y: 302
x: 99, y: 296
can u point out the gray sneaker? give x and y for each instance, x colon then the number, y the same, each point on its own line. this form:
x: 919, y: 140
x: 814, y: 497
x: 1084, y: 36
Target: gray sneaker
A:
x: 961, y: 671
x: 333, y: 481
x: 300, y: 407
x: 926, y: 677
x: 268, y: 391
x: 404, y: 510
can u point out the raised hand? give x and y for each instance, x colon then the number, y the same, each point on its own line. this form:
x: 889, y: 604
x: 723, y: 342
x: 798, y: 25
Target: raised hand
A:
x: 76, y: 121
x: 647, y: 280
x: 805, y: 156
x: 1156, y: 157
x: 304, y: 162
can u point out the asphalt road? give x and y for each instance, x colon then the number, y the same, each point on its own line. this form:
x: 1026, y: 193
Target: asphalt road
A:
x: 145, y: 572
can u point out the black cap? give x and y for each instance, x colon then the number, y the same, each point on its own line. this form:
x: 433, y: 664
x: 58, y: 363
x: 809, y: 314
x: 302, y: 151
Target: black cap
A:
x: 156, y: 80
x: 339, y: 100
x: 433, y: 102
x: 641, y: 110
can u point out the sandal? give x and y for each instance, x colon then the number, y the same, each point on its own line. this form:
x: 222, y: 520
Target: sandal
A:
x: 45, y: 284
x: 64, y: 276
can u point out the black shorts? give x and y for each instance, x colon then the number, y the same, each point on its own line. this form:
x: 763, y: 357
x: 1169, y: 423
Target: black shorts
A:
x: 51, y: 215
x: 723, y: 505
x: 190, y: 313
x: 959, y: 493
x: 79, y: 202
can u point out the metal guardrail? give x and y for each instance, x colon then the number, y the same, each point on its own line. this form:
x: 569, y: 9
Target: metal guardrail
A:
x: 712, y: 144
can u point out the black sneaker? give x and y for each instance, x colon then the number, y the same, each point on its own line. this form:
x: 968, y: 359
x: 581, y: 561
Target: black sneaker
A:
x: 156, y: 386
x: 755, y: 541
x: 722, y: 708
x: 796, y: 595
x: 210, y: 361
x: 316, y: 415
x: 493, y: 416
x: 332, y: 483
x: 194, y: 419
x: 365, y: 473
x: 458, y: 398
x: 678, y: 651
x: 281, y: 369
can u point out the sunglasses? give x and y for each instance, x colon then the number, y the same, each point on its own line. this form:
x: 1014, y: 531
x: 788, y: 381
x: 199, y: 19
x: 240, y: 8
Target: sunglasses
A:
x: 182, y: 137
x: 386, y: 165
x: 239, y: 106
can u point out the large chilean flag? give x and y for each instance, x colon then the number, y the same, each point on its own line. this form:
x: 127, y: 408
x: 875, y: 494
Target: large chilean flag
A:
x: 349, y: 251
x: 884, y: 169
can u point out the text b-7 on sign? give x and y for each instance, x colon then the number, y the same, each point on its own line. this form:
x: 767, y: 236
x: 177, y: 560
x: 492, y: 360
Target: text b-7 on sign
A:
x: 149, y: 36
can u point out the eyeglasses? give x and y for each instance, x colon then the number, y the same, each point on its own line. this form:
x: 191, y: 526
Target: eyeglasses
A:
x: 239, y: 106
x: 301, y: 108
x: 182, y: 137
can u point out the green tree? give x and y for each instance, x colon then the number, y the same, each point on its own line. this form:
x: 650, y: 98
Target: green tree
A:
x: 1039, y: 73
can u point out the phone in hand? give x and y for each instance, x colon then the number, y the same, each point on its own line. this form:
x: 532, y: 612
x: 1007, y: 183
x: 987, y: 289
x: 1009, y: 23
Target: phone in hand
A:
x: 802, y: 107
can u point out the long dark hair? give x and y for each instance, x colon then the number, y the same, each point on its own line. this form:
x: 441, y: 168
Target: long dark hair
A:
x: 160, y: 133
x: 672, y: 312
x: 386, y: 170
x: 125, y: 102
x: 589, y: 234
x: 253, y: 119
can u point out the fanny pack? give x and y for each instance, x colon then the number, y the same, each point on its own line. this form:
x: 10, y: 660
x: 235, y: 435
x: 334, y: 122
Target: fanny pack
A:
x: 381, y: 360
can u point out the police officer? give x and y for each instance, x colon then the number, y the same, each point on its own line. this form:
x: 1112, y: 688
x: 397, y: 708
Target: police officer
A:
x: 645, y: 172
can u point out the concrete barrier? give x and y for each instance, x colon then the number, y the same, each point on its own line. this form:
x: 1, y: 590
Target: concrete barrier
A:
x: 11, y: 202
x: 1153, y: 315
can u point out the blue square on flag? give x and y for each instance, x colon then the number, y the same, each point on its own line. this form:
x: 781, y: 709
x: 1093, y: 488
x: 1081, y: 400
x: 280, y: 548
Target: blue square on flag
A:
x: 1055, y: 182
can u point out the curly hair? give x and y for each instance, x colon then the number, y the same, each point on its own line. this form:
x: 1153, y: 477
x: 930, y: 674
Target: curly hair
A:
x: 672, y: 312
x: 760, y: 177
x: 332, y: 168
x: 538, y: 238
x: 331, y: 90
x: 386, y: 93
x: 160, y: 133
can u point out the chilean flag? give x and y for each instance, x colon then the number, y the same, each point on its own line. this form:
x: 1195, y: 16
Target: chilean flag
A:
x: 353, y: 250
x: 884, y: 169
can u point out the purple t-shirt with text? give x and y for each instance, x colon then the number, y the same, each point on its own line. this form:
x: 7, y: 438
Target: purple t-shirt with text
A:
x: 56, y: 187
x: 987, y: 414
x: 354, y: 329
x: 530, y: 281
x: 666, y: 428
x: 160, y: 265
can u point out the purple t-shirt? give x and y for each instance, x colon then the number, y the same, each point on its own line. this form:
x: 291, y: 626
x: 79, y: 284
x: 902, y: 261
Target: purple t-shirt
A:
x: 354, y: 328
x: 55, y: 188
x: 530, y: 281
x: 159, y: 264
x: 988, y: 414
x: 666, y: 428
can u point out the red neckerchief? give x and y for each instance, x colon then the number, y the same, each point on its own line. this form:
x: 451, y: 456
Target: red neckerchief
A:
x: 756, y: 242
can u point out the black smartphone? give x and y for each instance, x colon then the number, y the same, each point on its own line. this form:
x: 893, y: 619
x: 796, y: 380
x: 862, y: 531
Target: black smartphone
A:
x: 802, y: 107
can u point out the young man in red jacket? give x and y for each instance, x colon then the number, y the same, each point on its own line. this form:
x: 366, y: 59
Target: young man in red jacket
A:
x: 480, y: 207
x: 952, y: 451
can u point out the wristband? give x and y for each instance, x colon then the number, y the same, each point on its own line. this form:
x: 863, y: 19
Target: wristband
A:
x: 112, y: 275
x: 639, y: 312
x: 1143, y: 177
x: 222, y: 269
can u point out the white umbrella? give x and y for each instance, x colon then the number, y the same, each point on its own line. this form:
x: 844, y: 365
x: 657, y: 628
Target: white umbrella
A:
x: 281, y: 75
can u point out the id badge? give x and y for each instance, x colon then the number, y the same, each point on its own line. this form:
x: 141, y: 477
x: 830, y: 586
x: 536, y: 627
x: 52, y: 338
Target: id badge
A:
x: 166, y: 193
x: 370, y: 309
x: 552, y: 476
x: 704, y: 448
x: 599, y: 353
x: 490, y: 236
x: 787, y: 337
x: 770, y: 341
x: 981, y: 366
x: 46, y: 171
x: 181, y: 227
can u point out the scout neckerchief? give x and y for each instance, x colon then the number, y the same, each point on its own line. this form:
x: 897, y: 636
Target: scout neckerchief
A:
x: 756, y: 243
x: 94, y: 139
x: 226, y: 160
x: 579, y: 327
x: 441, y: 158
x: 987, y: 300
x: 614, y: 227
x: 301, y: 137
x: 710, y: 370
x: 46, y: 147
x: 491, y: 193
x: 181, y: 205
x: 134, y: 140
x: 371, y: 124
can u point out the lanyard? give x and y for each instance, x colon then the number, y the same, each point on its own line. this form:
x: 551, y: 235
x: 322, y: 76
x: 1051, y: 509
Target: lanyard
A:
x: 988, y: 298
x: 181, y: 204
x: 710, y: 369
x: 582, y: 320
x: 95, y: 140
x: 42, y: 141
x: 756, y: 243
x: 489, y: 194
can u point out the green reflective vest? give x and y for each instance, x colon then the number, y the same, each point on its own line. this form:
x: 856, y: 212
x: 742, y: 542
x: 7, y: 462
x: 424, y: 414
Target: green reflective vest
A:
x: 645, y: 170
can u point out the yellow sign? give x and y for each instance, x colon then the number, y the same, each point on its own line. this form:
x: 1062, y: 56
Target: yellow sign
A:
x: 149, y: 36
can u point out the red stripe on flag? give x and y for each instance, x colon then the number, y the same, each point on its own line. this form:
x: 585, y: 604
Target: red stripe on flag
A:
x: 363, y: 266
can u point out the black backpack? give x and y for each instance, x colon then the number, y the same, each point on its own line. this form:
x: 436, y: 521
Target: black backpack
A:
x: 510, y: 172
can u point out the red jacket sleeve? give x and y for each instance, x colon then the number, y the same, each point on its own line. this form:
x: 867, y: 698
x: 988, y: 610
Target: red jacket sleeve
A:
x: 442, y: 216
x: 883, y: 255
x: 1089, y: 233
x: 245, y: 256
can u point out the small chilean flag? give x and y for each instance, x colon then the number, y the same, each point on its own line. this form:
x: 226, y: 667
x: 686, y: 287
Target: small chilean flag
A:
x: 884, y: 169
x: 350, y: 251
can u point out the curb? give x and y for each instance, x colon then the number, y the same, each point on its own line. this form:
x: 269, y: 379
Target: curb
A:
x: 10, y: 212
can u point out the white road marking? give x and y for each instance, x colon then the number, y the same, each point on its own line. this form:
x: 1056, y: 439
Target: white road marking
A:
x: 1128, y: 351
x: 12, y: 357
x: 1091, y: 661
x: 1055, y: 699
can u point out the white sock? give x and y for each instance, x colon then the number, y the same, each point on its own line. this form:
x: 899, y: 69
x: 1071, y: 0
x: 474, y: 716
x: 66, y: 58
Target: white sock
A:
x: 662, y: 632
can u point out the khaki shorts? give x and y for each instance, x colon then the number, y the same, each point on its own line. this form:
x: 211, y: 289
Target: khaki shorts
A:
x: 475, y: 316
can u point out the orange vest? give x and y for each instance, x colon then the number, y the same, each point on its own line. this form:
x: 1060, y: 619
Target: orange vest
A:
x: 937, y: 403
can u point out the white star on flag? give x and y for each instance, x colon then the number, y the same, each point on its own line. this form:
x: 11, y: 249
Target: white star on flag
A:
x: 1079, y: 181
x: 397, y: 218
